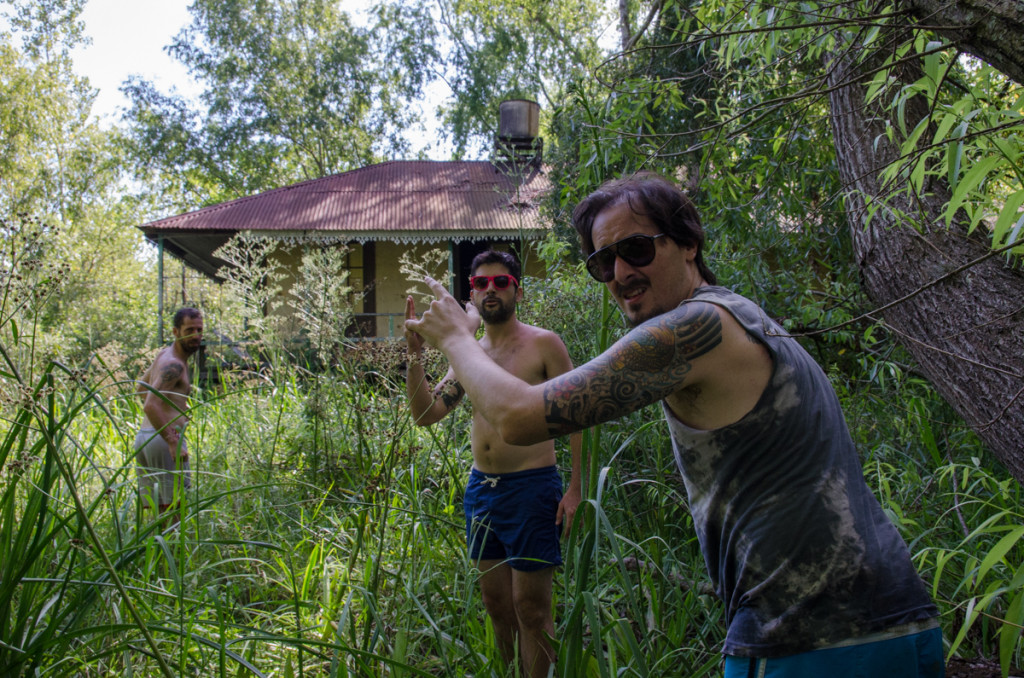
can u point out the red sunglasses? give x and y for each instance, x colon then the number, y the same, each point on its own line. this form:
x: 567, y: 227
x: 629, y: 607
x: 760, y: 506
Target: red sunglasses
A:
x: 481, y: 282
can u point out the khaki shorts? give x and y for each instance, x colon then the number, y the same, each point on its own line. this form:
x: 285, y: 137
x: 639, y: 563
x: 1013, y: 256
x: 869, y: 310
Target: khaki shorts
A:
x: 159, y: 477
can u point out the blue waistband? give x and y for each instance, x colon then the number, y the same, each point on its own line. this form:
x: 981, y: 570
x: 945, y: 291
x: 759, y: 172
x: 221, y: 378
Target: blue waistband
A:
x: 543, y: 470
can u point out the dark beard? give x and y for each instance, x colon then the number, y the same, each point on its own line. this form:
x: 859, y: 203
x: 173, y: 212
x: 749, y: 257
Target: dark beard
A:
x: 498, y: 315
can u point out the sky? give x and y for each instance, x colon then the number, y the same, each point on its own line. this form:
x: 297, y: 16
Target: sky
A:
x: 128, y: 38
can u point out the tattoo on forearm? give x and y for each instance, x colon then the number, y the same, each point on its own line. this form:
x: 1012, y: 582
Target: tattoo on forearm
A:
x: 450, y: 392
x: 646, y: 365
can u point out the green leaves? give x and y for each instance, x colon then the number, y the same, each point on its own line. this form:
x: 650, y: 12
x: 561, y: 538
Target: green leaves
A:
x: 506, y: 49
x: 973, y: 138
x: 293, y: 91
x: 1007, y: 229
x: 1002, y: 596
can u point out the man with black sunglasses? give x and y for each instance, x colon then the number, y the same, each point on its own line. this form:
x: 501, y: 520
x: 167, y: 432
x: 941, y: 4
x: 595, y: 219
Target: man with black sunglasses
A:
x: 815, y: 578
x: 513, y: 501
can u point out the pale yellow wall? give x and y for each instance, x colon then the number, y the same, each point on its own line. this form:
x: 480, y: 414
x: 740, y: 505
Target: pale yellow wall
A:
x: 288, y: 260
x: 390, y: 284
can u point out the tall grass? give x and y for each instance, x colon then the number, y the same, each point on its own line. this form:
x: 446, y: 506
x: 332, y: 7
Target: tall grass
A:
x: 300, y: 553
x: 323, y: 534
x: 348, y: 559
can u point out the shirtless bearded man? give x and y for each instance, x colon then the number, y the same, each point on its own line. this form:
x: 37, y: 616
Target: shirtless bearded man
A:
x: 513, y: 498
x: 160, y: 448
x: 815, y: 578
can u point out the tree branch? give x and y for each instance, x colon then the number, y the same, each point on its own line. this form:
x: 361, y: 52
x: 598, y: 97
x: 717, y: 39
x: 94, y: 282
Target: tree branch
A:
x: 989, y: 29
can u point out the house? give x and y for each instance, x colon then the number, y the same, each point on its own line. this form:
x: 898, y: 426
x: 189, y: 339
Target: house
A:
x: 382, y: 212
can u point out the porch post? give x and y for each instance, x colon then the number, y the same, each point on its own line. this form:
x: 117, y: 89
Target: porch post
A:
x: 451, y: 266
x: 160, y: 289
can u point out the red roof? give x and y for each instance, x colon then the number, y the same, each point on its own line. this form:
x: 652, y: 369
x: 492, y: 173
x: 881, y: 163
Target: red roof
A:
x: 399, y: 200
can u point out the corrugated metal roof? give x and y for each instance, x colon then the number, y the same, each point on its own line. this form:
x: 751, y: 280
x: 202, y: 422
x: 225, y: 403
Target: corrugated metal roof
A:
x: 401, y: 200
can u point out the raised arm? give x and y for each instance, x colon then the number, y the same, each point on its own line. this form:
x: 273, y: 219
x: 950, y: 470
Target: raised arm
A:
x: 653, y: 361
x: 656, y: 359
x: 428, y: 406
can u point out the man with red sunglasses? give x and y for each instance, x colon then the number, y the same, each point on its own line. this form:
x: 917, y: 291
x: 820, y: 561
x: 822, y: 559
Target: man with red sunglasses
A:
x: 815, y: 579
x: 513, y: 501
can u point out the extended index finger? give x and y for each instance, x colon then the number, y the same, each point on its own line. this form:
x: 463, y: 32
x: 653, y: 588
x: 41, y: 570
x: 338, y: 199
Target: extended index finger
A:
x: 410, y: 308
x: 437, y: 288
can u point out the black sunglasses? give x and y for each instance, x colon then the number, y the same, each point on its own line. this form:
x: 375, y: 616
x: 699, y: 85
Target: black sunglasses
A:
x: 480, y: 282
x: 636, y: 250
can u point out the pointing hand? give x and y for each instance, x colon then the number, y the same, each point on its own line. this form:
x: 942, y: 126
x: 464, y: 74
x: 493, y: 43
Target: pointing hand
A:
x: 445, y: 320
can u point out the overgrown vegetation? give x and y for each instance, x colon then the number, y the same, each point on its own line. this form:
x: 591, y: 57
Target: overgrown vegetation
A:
x: 323, y: 534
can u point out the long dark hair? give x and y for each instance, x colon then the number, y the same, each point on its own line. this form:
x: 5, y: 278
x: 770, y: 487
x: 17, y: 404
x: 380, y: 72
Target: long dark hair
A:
x: 650, y: 195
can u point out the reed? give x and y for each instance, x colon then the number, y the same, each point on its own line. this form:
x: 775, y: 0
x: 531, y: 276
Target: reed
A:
x: 323, y: 534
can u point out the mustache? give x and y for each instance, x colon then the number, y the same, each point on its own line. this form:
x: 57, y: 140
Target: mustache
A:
x: 622, y: 290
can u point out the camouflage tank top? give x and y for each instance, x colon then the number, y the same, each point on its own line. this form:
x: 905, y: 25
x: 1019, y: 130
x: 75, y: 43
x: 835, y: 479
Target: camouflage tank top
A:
x: 796, y: 545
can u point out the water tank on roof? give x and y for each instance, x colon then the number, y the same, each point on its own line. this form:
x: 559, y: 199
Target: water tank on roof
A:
x: 518, y: 119
x: 518, y: 147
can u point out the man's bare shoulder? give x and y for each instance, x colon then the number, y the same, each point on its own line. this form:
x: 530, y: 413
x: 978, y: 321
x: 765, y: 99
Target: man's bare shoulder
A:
x: 168, y: 370
x: 154, y: 366
x: 549, y: 348
x: 691, y: 330
x: 537, y: 334
x: 534, y: 332
x: 727, y: 369
x: 735, y: 339
x: 542, y: 341
x: 700, y: 338
x: 695, y: 355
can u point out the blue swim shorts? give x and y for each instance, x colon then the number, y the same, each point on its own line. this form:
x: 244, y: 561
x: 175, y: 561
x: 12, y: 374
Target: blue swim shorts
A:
x: 917, y: 655
x: 511, y: 517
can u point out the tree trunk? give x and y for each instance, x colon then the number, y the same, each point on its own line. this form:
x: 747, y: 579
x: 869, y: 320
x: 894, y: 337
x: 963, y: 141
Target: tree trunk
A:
x: 989, y: 29
x: 967, y: 329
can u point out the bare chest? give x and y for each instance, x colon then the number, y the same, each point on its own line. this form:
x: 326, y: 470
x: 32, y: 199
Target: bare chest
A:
x: 519, y: 361
x: 170, y: 378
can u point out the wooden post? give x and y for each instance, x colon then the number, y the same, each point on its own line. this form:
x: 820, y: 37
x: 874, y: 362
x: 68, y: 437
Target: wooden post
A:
x: 160, y: 289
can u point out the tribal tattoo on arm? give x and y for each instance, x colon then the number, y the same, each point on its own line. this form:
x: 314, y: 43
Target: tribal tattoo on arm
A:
x: 648, y: 364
